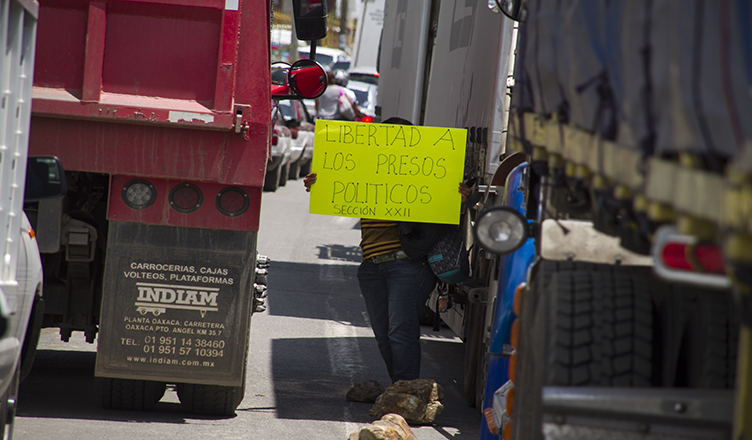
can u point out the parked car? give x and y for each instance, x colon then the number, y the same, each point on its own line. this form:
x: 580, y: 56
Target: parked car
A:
x: 365, y: 74
x: 327, y: 57
x: 297, y: 118
x: 278, y: 166
x: 366, y: 95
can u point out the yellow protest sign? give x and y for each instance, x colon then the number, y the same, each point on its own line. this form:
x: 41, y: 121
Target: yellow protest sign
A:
x: 388, y: 172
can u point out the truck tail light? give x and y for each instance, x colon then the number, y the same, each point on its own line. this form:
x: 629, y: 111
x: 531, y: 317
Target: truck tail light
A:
x: 675, y: 256
x: 693, y: 258
x: 139, y: 194
x: 683, y: 258
x: 185, y: 198
x: 275, y: 139
x: 232, y: 201
x: 710, y: 258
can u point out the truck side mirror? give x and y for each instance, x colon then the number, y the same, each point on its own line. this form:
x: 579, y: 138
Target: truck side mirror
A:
x: 304, y: 79
x: 45, y: 178
x: 307, y: 78
x: 310, y: 19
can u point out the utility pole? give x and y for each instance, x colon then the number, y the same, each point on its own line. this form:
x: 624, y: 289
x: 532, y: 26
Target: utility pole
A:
x: 344, y: 23
x: 293, y: 43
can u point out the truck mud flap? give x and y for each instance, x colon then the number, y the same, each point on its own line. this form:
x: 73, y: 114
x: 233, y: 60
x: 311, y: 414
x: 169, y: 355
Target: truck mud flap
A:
x: 176, y: 306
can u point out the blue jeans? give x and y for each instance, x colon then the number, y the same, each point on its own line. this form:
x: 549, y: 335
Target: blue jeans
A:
x: 395, y: 293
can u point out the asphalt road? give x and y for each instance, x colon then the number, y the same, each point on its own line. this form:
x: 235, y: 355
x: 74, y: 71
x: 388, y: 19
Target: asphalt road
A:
x: 306, y: 350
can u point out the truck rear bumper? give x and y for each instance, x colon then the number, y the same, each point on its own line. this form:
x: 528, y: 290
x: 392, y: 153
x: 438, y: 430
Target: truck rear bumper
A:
x: 687, y: 413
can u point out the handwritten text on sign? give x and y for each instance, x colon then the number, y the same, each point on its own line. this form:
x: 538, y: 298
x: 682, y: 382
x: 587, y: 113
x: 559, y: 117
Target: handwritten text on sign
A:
x: 389, y: 172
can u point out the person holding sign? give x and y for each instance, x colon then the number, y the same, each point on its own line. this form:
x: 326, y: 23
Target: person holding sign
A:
x: 395, y: 289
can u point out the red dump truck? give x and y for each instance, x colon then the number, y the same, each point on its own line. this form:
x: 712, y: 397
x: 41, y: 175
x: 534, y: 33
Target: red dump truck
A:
x: 160, y: 112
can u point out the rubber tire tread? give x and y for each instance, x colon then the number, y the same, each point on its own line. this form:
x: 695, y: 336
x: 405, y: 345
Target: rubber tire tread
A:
x: 271, y: 180
x: 284, y: 174
x: 294, y: 170
x: 128, y: 394
x: 482, y: 377
x: 306, y: 168
x: 8, y: 413
x: 475, y: 315
x: 213, y: 400
x: 534, y: 342
x: 31, y: 340
x: 532, y: 347
x: 714, y: 333
x: 603, y: 334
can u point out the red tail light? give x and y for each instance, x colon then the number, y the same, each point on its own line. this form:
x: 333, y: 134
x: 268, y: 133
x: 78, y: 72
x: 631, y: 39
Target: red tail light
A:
x: 710, y: 258
x: 694, y: 258
x: 682, y: 258
x: 365, y: 119
x: 232, y: 201
x: 185, y: 198
x: 274, y: 139
x: 675, y: 256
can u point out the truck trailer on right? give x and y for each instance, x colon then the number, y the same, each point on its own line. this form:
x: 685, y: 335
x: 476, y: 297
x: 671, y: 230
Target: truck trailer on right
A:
x: 635, y: 322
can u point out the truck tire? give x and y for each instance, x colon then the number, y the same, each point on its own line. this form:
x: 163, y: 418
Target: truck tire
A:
x: 604, y: 330
x: 209, y: 399
x: 9, y: 404
x: 305, y: 169
x: 127, y: 394
x: 581, y: 325
x: 283, y: 174
x: 473, y: 329
x: 295, y: 169
x: 271, y: 180
x: 481, y: 377
x: 708, y: 354
x: 31, y: 340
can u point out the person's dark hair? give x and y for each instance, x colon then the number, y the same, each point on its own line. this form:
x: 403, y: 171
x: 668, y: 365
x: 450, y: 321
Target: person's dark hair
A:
x: 397, y: 121
x: 330, y: 77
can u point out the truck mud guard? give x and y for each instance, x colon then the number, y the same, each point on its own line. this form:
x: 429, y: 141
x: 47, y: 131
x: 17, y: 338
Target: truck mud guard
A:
x: 180, y: 304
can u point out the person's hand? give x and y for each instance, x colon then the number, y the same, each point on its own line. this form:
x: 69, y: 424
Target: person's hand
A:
x: 465, y: 190
x: 358, y: 113
x: 308, y: 181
